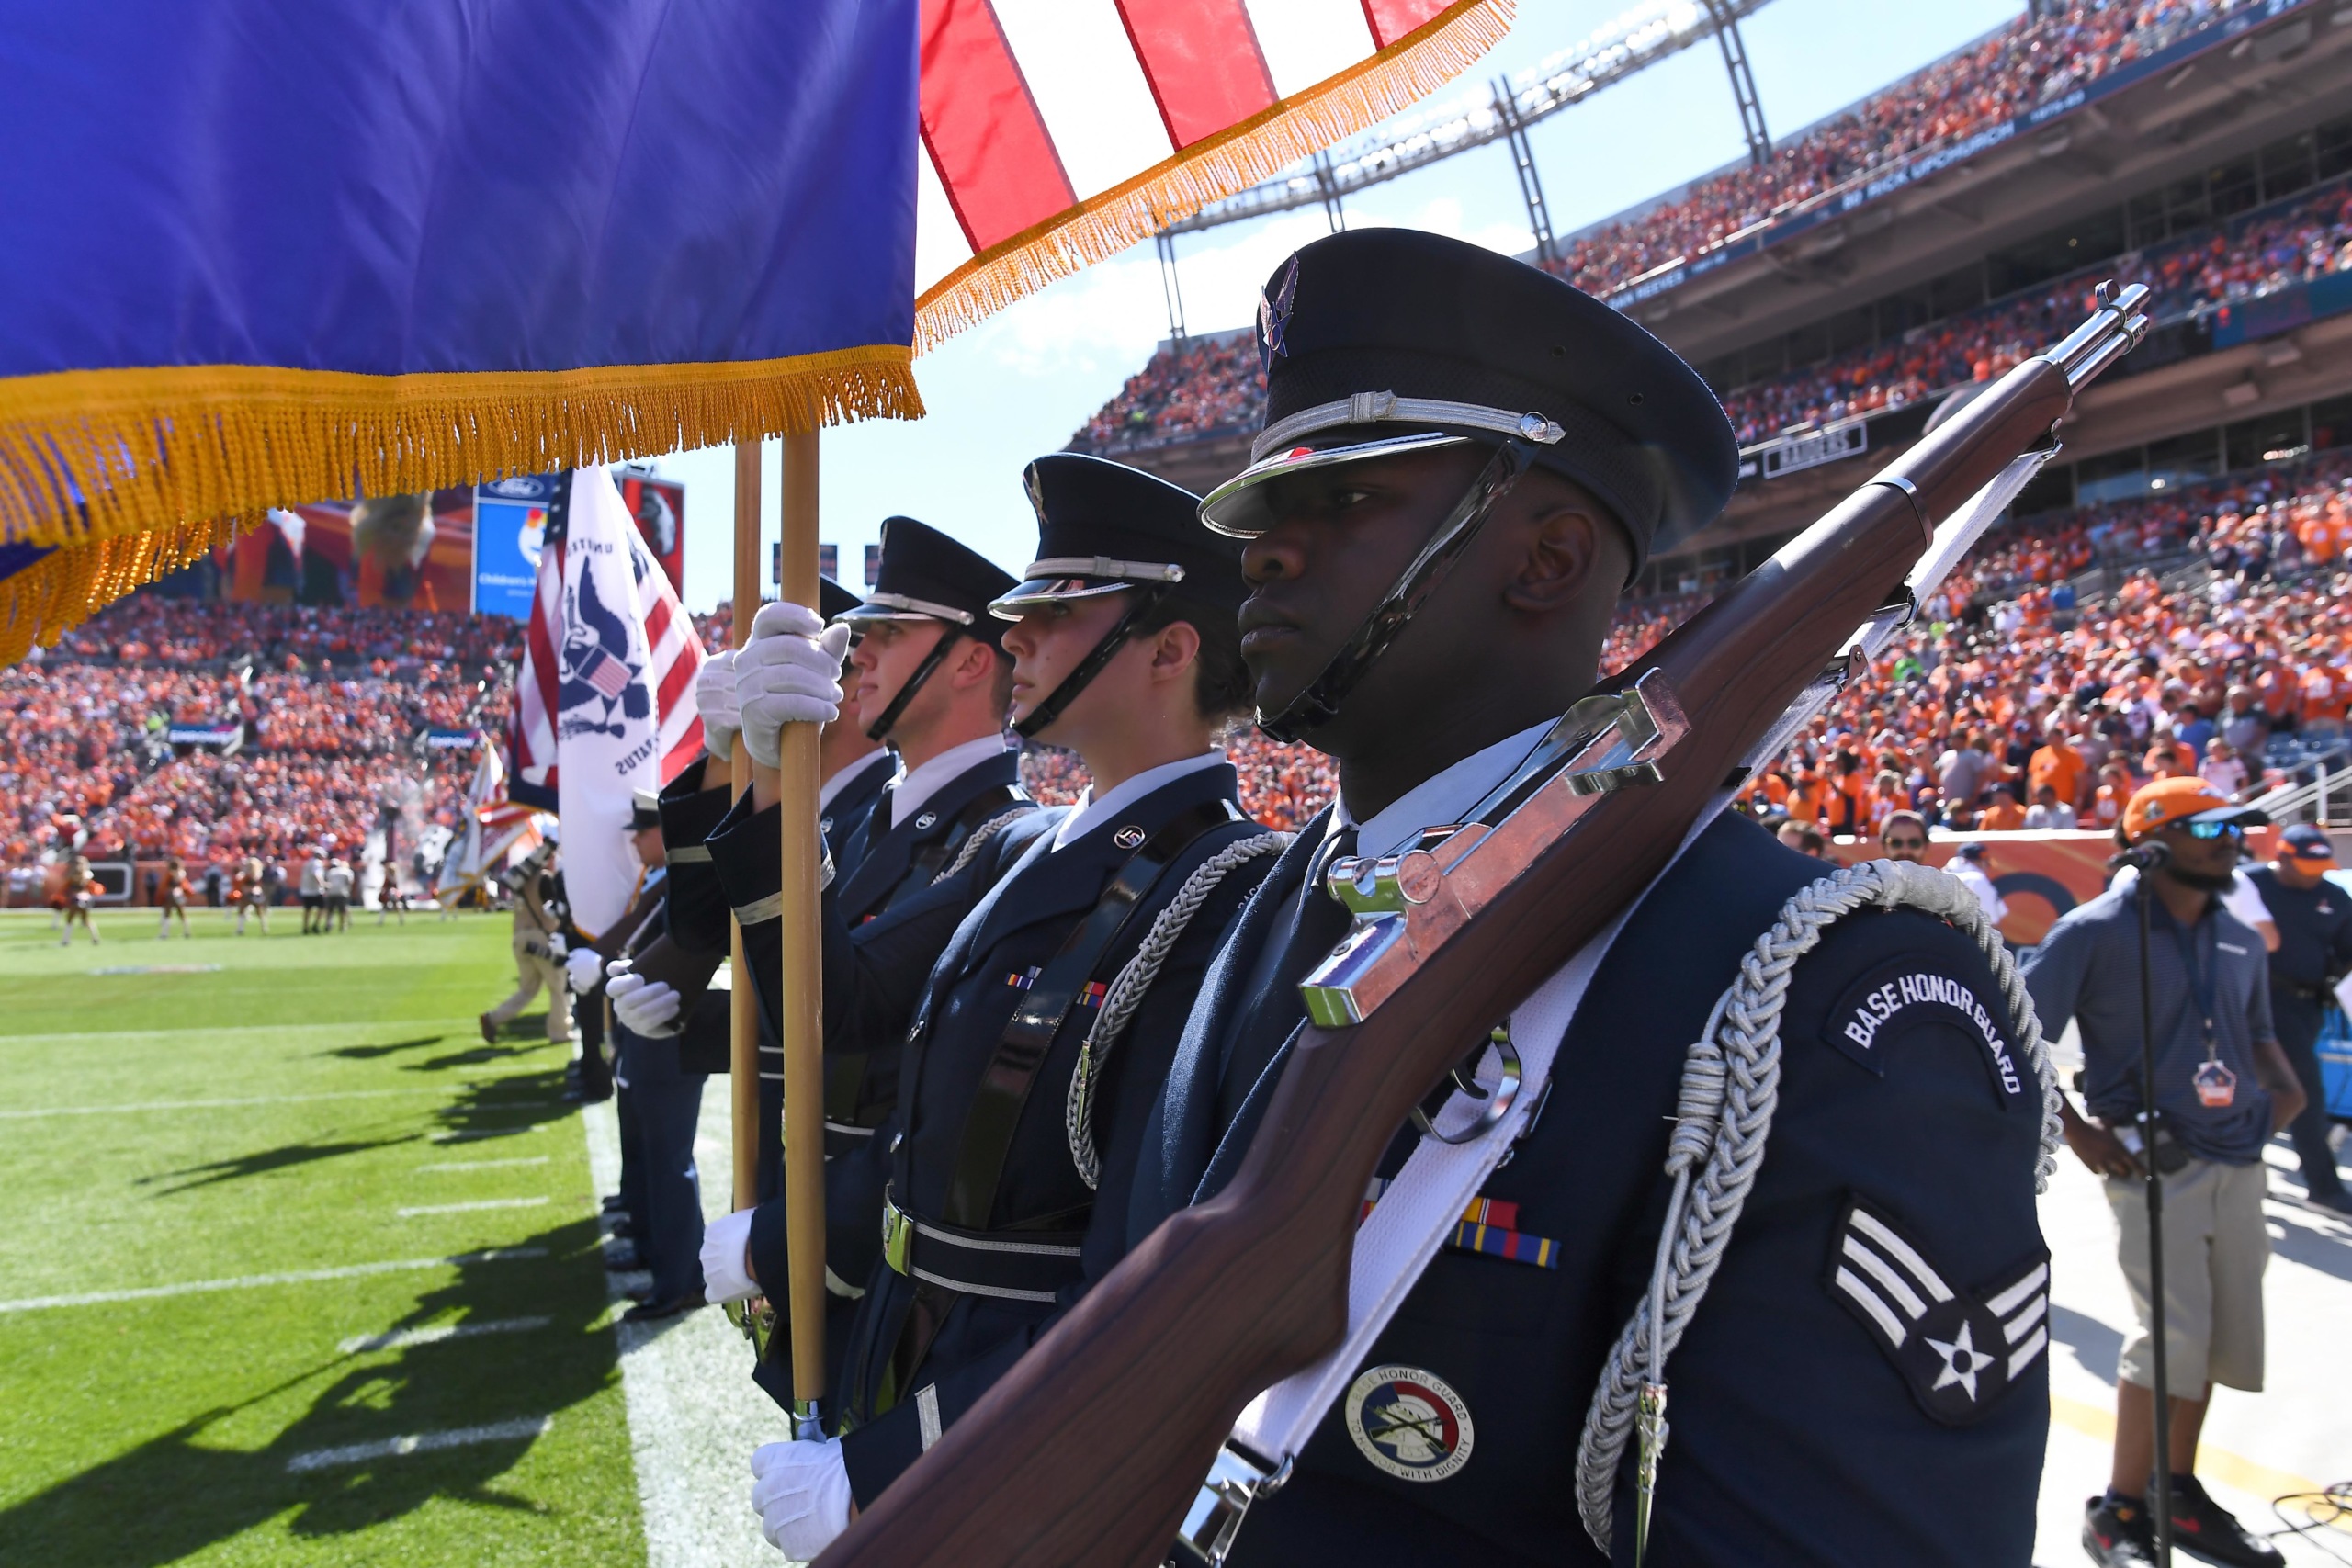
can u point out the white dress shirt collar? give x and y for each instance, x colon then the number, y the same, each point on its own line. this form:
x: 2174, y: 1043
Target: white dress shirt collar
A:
x: 906, y: 797
x: 1440, y: 800
x: 1091, y: 812
x: 877, y: 758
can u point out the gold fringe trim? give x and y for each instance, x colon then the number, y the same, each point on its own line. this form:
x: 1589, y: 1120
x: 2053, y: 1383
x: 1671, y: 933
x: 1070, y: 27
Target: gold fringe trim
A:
x: 95, y: 455
x: 61, y: 589
x: 1212, y: 169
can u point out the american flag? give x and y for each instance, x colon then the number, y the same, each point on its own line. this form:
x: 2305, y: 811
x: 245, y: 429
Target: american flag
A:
x: 675, y: 655
x: 1054, y: 134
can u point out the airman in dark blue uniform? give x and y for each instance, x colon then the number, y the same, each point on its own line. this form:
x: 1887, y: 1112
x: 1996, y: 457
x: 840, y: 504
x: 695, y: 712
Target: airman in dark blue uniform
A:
x: 1044, y: 1031
x: 1463, y: 461
x: 928, y: 674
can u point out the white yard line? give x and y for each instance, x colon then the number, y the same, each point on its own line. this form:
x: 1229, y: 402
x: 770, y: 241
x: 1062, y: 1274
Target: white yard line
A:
x: 694, y: 1415
x: 256, y: 1281
x: 483, y: 1164
x: 537, y: 1102
x: 403, y: 1339
x: 524, y: 1430
x: 217, y: 1104
x: 417, y: 1210
x: 476, y: 1137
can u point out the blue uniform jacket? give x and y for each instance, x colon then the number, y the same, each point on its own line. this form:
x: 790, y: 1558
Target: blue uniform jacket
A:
x: 882, y: 933
x: 969, y: 998
x: 1798, y: 1434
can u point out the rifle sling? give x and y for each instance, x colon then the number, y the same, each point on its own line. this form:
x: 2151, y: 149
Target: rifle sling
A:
x: 1028, y: 1037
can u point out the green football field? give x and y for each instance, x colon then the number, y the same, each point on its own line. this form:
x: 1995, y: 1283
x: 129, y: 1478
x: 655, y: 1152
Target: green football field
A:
x: 294, y: 1269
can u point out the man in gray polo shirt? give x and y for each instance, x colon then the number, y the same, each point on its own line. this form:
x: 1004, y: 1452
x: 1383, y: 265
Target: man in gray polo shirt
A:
x: 2223, y: 1088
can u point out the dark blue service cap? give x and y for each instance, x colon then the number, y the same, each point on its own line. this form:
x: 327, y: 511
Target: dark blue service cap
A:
x: 1102, y: 526
x: 833, y: 601
x: 1383, y: 340
x: 926, y: 576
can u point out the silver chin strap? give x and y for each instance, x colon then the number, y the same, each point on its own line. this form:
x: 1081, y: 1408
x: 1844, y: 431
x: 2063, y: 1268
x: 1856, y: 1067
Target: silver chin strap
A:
x: 1319, y: 703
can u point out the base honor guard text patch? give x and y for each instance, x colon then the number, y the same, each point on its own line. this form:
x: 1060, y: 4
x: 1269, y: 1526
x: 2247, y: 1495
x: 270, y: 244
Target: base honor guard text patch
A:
x: 1958, y: 1352
x: 1888, y: 1002
x: 1409, y: 1423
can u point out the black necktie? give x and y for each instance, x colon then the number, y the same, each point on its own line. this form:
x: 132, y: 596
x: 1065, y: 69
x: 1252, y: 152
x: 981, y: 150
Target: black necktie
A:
x: 1314, y: 927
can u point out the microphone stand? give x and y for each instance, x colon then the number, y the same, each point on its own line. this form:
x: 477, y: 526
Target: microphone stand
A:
x: 2147, y: 858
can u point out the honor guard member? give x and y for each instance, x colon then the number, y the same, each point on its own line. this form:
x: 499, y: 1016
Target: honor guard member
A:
x: 672, y: 990
x: 1463, y: 461
x: 660, y: 1103
x: 929, y: 675
x: 1044, y: 1029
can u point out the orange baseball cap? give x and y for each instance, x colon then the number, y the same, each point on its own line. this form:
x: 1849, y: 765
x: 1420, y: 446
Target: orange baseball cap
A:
x: 2169, y: 802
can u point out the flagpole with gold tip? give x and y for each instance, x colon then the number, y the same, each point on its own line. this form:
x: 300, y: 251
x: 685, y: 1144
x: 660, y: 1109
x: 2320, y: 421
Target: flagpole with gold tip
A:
x: 803, y: 1023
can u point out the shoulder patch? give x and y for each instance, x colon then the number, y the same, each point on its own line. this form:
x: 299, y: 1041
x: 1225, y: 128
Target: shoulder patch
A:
x: 1902, y: 993
x: 1957, y: 1351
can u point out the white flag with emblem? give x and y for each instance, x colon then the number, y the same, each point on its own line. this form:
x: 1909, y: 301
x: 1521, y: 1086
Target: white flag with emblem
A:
x: 624, y: 705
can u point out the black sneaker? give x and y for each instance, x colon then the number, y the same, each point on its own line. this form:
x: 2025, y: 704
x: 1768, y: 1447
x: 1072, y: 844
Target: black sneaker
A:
x: 2118, y: 1533
x: 2203, y: 1528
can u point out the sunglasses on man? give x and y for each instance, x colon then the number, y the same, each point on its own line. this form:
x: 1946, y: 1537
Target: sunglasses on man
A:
x: 2214, y: 829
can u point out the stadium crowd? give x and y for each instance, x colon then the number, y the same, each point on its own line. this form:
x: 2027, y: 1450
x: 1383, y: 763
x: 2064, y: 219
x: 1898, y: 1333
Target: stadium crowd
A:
x: 2035, y: 714
x: 2137, y: 682
x: 84, y: 732
x: 2026, y: 64
x: 179, y: 632
x: 2307, y: 240
x: 1213, y: 384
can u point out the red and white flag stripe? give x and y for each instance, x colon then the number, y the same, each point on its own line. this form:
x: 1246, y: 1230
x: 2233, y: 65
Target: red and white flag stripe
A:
x: 1057, y: 133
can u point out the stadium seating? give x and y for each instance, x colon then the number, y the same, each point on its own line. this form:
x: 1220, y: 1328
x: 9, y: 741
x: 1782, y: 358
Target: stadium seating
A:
x: 332, y: 704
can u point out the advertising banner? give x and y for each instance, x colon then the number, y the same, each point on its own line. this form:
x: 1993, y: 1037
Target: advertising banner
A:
x: 510, y: 521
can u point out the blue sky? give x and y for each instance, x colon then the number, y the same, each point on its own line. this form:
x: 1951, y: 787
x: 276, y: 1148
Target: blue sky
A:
x: 1021, y: 383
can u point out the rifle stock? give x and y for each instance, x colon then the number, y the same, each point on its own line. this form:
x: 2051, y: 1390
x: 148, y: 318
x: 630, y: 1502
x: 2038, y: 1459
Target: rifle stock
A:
x: 1090, y: 1450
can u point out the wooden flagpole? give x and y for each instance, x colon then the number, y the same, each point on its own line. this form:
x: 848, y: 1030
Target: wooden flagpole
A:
x: 803, y: 1026
x: 744, y: 1018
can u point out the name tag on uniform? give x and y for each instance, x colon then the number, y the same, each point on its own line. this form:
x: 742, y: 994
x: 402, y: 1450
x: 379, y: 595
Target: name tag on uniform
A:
x: 1897, y: 997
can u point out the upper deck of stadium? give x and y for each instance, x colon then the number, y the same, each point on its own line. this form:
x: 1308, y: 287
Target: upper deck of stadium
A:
x: 1938, y: 230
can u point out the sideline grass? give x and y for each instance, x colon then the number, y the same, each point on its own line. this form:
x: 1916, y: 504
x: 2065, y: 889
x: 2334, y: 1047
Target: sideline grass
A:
x: 291, y: 1103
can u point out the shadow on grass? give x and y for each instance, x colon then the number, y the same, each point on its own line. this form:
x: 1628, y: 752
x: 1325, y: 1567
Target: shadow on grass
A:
x: 262, y: 1163
x: 175, y: 1495
x: 371, y: 1053
x: 505, y: 1107
x: 476, y: 1055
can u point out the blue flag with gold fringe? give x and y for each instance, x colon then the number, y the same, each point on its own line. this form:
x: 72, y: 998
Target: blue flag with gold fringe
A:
x: 262, y: 253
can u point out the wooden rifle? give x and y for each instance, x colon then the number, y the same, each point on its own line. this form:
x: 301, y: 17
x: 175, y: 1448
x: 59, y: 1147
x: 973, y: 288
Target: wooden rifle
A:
x: 1090, y: 1450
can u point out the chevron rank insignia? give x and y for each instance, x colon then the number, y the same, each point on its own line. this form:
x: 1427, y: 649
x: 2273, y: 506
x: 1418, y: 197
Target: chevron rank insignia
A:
x: 1958, y: 1352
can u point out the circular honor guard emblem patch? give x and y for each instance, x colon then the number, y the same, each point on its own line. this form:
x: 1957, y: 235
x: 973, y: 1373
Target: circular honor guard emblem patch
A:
x: 1410, y: 1423
x: 1128, y: 837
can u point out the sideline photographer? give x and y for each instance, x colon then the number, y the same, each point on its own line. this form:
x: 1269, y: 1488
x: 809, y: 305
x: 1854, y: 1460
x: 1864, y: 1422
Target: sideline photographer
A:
x: 2222, y: 1087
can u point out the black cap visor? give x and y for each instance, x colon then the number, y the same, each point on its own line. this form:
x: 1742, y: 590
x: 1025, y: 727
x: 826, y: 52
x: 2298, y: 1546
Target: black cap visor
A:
x: 899, y: 607
x: 1238, y: 508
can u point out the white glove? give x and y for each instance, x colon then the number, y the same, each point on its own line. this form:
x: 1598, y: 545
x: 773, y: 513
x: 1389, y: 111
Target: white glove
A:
x: 556, y: 944
x: 801, y: 1491
x: 647, y: 1007
x: 726, y: 1270
x: 790, y: 673
x: 584, y: 969
x: 715, y: 700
